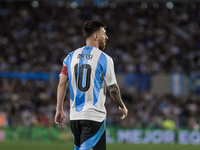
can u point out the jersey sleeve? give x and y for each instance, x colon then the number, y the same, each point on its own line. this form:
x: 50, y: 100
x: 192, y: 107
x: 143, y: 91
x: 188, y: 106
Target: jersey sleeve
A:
x: 64, y: 70
x: 110, y: 77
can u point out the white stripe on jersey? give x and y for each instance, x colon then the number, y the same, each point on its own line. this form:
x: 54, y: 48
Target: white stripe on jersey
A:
x: 74, y: 61
x: 89, y: 95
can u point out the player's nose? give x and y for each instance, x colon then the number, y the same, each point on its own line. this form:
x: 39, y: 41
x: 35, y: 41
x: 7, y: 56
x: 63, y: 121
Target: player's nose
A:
x: 106, y: 37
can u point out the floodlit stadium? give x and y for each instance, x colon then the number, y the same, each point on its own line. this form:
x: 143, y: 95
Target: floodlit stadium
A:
x: 155, y: 46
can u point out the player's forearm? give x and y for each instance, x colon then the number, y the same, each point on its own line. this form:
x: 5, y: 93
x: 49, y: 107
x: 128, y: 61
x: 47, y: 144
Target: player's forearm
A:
x: 60, y: 96
x: 115, y: 94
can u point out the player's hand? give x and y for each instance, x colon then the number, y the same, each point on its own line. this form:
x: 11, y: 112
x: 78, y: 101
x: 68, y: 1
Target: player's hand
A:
x: 123, y: 111
x: 59, y: 117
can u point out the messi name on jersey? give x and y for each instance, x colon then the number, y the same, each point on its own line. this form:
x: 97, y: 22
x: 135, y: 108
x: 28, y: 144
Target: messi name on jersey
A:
x: 84, y: 56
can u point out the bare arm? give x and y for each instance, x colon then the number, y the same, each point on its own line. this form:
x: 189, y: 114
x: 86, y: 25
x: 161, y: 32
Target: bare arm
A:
x: 61, y: 91
x: 116, y: 96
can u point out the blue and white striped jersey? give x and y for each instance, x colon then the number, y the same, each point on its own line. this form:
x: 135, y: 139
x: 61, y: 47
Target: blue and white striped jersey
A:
x: 89, y: 71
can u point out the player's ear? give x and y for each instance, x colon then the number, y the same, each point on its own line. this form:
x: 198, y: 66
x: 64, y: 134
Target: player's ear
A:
x: 96, y: 37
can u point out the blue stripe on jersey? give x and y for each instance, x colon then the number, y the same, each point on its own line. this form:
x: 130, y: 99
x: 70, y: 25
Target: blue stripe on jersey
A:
x: 67, y: 63
x: 91, y: 142
x: 103, y: 61
x: 80, y: 96
x: 101, y: 66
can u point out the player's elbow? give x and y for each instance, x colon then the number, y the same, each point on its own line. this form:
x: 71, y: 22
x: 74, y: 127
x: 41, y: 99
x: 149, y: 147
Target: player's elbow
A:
x: 112, y: 91
x: 62, y: 84
x: 113, y: 88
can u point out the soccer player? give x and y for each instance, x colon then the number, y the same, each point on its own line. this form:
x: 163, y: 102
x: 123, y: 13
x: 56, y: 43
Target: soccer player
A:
x: 88, y: 70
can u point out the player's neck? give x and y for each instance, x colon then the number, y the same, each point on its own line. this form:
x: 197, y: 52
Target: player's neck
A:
x: 92, y: 43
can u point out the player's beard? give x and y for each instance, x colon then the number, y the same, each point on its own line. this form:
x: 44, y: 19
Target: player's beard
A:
x: 102, y: 45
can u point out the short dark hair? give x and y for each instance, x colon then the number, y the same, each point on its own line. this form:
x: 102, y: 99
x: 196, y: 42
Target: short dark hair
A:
x: 91, y: 26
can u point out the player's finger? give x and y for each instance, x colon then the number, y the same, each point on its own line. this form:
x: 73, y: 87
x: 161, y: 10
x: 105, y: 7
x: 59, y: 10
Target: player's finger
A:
x: 64, y: 120
x: 120, y: 110
x: 59, y: 124
x: 123, y: 117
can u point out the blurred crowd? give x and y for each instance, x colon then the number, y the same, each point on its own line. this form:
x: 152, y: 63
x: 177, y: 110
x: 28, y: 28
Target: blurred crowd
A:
x: 150, y: 40
x: 147, y: 40
x: 33, y: 103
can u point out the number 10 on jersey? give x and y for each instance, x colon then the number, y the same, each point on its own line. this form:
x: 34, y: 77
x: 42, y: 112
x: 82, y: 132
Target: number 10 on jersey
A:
x: 84, y: 74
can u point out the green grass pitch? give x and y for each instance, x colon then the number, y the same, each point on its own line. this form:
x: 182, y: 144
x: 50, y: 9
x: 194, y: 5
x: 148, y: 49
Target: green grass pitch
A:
x: 69, y: 146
